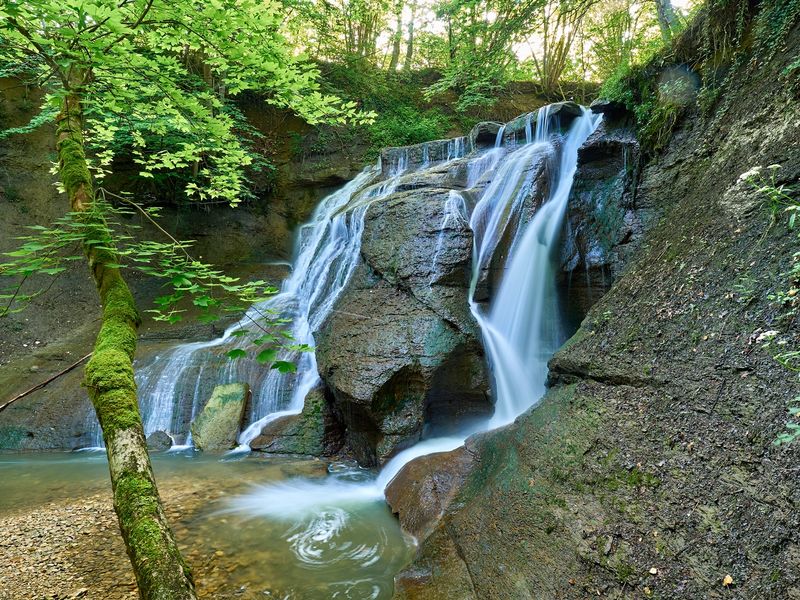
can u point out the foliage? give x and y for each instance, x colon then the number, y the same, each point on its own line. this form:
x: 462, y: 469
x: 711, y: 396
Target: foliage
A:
x: 778, y: 196
x: 621, y: 33
x: 780, y: 199
x: 403, y: 116
x: 191, y: 286
x: 48, y: 250
x: 154, y: 78
x: 46, y: 115
x: 736, y: 37
x: 407, y: 125
x: 793, y: 427
x: 657, y: 103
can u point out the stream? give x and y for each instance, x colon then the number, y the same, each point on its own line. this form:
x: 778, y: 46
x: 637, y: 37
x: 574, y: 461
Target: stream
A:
x: 347, y: 551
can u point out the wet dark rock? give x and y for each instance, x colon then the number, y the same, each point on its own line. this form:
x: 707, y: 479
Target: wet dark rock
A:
x: 610, y: 108
x: 604, y: 225
x: 313, y: 432
x: 159, y: 440
x: 484, y: 135
x: 423, y: 490
x: 401, y: 351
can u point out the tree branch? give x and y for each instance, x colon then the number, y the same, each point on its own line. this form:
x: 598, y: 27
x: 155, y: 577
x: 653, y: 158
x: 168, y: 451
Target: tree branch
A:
x: 39, y: 386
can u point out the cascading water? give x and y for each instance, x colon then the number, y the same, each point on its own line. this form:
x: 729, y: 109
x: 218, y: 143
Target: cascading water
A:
x: 455, y: 212
x: 173, y: 386
x: 521, y: 328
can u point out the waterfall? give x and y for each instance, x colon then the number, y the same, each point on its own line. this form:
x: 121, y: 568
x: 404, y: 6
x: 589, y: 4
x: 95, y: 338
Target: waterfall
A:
x: 174, y: 385
x: 498, y: 141
x: 455, y: 213
x: 520, y: 328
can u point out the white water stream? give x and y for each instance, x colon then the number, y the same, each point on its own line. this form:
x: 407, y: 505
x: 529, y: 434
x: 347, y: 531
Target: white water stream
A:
x: 521, y: 328
x: 174, y: 385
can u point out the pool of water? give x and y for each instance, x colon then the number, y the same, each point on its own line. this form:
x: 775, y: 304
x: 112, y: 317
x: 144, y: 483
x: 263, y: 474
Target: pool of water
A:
x: 337, y: 551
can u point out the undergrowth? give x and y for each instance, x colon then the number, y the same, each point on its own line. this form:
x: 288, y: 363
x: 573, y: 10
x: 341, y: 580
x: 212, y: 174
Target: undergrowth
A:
x: 726, y: 40
x: 782, y: 200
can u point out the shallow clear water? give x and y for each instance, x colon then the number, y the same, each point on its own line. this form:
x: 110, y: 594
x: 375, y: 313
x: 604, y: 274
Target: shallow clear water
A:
x: 344, y: 551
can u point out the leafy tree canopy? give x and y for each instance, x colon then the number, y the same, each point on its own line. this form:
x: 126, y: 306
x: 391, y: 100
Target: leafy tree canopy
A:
x: 150, y: 71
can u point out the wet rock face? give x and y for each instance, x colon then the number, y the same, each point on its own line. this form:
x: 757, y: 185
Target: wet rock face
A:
x: 484, y: 135
x: 313, y: 432
x: 401, y: 352
x: 159, y: 440
x: 422, y: 491
x: 604, y: 224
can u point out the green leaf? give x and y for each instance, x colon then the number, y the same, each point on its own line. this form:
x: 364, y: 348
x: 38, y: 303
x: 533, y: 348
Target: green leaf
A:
x: 284, y: 366
x: 267, y: 355
x: 236, y: 353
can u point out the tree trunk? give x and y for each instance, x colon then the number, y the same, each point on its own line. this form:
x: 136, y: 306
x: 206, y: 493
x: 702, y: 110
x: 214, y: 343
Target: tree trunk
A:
x: 451, y: 47
x: 410, y: 41
x: 398, y: 36
x: 667, y: 19
x: 161, y: 573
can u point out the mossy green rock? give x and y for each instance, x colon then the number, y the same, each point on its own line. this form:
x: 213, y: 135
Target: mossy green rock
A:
x: 216, y: 427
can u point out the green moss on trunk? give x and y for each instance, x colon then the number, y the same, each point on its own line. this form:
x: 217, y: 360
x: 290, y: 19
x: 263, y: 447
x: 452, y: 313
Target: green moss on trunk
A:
x: 161, y: 573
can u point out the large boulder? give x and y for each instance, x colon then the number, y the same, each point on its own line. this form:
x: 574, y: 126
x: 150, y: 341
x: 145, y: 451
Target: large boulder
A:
x: 159, y: 441
x: 484, y: 135
x: 217, y: 426
x: 612, y: 109
x: 313, y: 432
x: 401, y: 352
x: 421, y: 493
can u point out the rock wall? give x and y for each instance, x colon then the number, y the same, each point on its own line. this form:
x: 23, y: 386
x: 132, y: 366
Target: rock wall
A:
x: 605, y: 222
x: 649, y: 469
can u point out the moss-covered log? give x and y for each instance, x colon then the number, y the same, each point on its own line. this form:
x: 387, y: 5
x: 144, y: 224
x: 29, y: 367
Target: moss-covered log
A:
x: 161, y: 572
